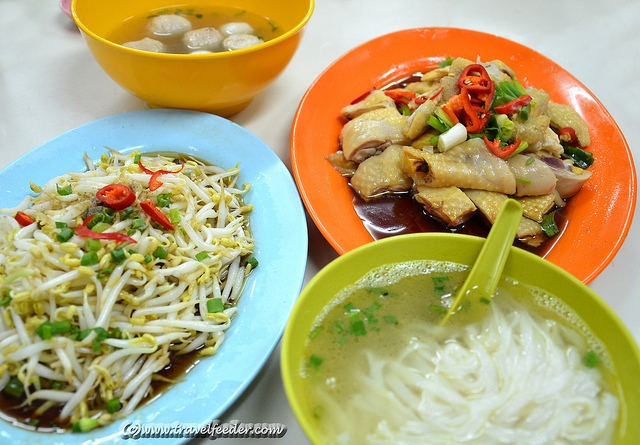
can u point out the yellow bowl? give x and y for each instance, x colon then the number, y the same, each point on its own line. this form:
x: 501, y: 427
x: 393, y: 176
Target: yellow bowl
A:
x: 521, y: 265
x: 222, y: 83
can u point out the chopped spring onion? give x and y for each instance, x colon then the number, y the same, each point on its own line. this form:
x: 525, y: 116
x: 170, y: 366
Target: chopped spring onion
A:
x: 549, y: 226
x: 85, y: 424
x: 118, y: 255
x: 315, y: 361
x: 253, y: 262
x: 92, y: 245
x: 89, y: 259
x: 164, y: 200
x: 65, y: 235
x: 48, y: 329
x: 64, y: 191
x: 14, y: 388
x: 215, y: 305
x: 454, y: 136
x: 160, y: 253
x: 201, y: 256
x: 113, y: 406
x: 174, y: 216
x: 591, y: 359
x: 357, y: 328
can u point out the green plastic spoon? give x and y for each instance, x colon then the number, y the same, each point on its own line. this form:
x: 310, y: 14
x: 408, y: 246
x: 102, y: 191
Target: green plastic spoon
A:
x: 482, y: 281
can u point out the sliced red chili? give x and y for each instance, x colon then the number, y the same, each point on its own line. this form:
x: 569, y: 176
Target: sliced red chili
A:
x: 116, y: 196
x: 156, y: 214
x: 474, y: 118
x: 501, y: 152
x: 154, y: 182
x: 85, y: 232
x: 513, y: 105
x: 475, y: 78
x: 452, y: 115
x: 568, y: 135
x: 24, y: 219
x: 401, y: 96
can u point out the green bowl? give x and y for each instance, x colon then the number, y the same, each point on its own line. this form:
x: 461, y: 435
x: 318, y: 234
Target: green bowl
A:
x: 521, y: 265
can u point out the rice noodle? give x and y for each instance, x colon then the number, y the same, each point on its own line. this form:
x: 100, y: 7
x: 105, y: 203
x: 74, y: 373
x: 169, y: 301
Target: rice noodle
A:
x: 458, y: 387
x: 150, y: 307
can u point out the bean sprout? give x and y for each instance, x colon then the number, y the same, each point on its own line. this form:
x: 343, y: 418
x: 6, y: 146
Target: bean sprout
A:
x: 121, y: 316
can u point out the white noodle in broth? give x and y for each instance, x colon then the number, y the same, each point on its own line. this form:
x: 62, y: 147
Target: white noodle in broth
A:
x: 514, y: 377
x: 124, y: 317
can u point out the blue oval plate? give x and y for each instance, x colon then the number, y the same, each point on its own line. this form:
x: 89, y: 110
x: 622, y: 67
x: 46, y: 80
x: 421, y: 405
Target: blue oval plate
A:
x: 277, y: 221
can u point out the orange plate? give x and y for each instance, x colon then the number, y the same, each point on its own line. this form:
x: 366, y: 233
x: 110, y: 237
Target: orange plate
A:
x: 599, y: 215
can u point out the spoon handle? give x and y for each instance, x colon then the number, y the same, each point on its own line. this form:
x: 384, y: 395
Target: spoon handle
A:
x: 485, y: 273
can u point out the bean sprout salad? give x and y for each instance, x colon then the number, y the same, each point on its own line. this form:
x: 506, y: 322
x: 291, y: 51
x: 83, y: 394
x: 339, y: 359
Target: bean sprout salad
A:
x: 108, y: 274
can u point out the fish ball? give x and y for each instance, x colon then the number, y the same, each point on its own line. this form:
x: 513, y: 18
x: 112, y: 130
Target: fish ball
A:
x: 169, y: 25
x: 236, y: 28
x: 239, y: 41
x: 146, y: 44
x: 209, y: 39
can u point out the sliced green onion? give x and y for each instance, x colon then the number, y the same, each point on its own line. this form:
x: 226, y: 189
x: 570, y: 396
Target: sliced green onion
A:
x: 591, y: 359
x: 549, y: 226
x: 14, y: 388
x: 64, y: 191
x: 582, y: 158
x: 452, y: 137
x: 357, y: 328
x: 315, y: 361
x: 105, y: 272
x: 215, y: 305
x: 48, y: 329
x: 89, y: 259
x: 139, y: 223
x: 530, y: 161
x: 446, y: 62
x: 92, y: 245
x: 437, y: 124
x: 137, y: 158
x: 100, y: 227
x: 485, y: 300
x: 113, y: 406
x: 164, y: 200
x: 201, y: 256
x: 61, y: 225
x: 160, y: 253
x: 6, y: 298
x: 148, y: 258
x: 253, y: 262
x: 83, y: 425
x: 118, y: 255
x: 174, y: 216
x: 65, y: 235
x: 444, y: 117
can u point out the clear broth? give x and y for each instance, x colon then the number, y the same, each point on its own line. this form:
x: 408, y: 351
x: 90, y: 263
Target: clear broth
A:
x: 135, y: 28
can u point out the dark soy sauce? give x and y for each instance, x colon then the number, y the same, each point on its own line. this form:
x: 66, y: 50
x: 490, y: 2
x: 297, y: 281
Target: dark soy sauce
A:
x: 401, y: 214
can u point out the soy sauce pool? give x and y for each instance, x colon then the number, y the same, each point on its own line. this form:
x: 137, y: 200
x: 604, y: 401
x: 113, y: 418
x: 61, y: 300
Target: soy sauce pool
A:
x: 401, y: 214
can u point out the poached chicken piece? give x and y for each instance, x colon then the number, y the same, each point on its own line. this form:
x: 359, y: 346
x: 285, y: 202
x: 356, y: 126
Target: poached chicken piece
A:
x: 463, y: 138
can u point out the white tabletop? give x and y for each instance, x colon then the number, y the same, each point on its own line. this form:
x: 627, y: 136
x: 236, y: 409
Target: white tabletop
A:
x: 49, y: 84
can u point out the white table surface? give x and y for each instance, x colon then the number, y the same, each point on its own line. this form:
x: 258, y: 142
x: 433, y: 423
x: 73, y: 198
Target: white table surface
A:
x: 49, y: 84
